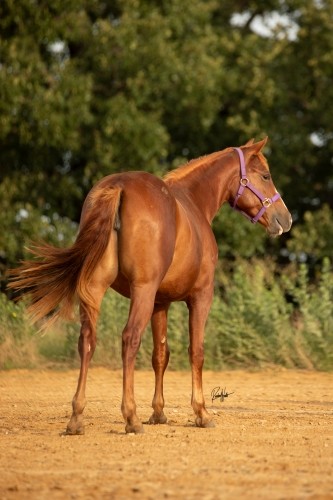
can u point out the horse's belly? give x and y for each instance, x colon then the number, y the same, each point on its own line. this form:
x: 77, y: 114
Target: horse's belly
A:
x: 172, y: 291
x: 186, y: 263
x: 180, y: 278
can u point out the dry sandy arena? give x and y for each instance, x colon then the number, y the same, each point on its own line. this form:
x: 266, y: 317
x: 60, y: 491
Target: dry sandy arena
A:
x: 273, y: 438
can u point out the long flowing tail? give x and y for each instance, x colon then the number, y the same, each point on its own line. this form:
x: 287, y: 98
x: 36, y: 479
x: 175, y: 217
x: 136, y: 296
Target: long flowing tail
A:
x: 58, y: 276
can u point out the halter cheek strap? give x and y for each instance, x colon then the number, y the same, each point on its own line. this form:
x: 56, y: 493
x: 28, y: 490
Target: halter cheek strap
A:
x: 245, y: 183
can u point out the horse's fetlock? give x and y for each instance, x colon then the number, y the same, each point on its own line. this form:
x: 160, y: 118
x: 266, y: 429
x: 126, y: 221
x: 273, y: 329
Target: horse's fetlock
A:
x: 78, y: 406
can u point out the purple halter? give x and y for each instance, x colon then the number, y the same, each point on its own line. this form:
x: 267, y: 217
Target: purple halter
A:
x: 245, y: 183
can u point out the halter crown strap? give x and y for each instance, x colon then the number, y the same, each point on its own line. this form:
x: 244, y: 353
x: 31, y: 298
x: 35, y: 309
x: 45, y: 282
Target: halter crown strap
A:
x: 245, y: 183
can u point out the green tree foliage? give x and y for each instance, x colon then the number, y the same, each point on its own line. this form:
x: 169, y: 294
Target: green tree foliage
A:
x: 88, y: 88
x: 314, y: 237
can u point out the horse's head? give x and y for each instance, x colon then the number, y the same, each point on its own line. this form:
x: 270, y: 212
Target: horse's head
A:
x: 254, y: 192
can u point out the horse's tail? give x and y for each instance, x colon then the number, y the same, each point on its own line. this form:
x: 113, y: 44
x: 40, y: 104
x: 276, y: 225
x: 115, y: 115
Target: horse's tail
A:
x: 58, y: 276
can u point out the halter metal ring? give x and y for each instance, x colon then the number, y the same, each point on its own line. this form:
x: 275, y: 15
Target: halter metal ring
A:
x: 244, y: 181
x: 267, y: 202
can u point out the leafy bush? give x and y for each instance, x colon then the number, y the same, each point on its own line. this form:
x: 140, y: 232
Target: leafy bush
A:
x: 18, y: 346
x: 313, y: 316
x: 258, y: 317
x: 251, y: 325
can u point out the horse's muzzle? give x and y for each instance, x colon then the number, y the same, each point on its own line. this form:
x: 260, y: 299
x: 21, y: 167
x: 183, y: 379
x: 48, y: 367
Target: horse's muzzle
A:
x: 279, y: 223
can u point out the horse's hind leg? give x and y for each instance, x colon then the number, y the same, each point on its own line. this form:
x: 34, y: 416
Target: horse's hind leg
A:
x: 141, y: 308
x: 160, y: 360
x: 103, y: 275
x: 86, y: 347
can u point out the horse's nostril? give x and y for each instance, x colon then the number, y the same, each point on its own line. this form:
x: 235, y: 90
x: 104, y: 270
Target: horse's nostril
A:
x: 284, y: 222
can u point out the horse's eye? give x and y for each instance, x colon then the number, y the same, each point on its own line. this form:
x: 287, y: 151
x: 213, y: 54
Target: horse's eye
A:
x: 266, y: 177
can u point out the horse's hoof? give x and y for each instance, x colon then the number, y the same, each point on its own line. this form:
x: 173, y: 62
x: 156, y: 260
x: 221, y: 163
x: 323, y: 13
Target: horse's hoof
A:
x: 204, y: 423
x: 134, y: 429
x: 74, y: 429
x: 157, y: 419
x: 74, y: 432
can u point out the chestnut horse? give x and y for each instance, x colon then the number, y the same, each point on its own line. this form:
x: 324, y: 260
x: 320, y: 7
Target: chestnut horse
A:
x: 150, y: 239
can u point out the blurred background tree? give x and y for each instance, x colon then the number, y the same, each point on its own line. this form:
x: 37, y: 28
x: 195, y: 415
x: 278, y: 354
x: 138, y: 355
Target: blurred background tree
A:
x: 88, y: 88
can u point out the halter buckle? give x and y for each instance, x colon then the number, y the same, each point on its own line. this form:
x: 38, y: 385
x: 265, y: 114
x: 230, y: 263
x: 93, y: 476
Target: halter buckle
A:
x: 267, y: 202
x: 244, y: 181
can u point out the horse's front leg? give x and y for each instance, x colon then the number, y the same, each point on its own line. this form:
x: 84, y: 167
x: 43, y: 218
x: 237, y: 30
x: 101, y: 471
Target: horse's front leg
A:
x: 160, y: 360
x: 199, y: 307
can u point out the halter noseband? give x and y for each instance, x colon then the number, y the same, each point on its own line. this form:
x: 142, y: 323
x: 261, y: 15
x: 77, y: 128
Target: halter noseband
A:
x: 245, y: 183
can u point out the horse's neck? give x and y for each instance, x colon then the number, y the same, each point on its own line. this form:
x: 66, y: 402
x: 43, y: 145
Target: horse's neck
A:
x: 207, y: 184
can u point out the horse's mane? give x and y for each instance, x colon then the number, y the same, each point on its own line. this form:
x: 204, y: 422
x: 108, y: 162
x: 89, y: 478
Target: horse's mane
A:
x: 187, y: 168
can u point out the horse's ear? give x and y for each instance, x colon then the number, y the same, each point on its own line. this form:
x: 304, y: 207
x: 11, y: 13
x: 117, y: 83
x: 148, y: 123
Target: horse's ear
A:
x: 249, y: 143
x: 255, y: 148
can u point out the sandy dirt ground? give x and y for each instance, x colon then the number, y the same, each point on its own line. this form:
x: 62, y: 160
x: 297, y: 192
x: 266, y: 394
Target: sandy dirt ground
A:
x: 273, y: 438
